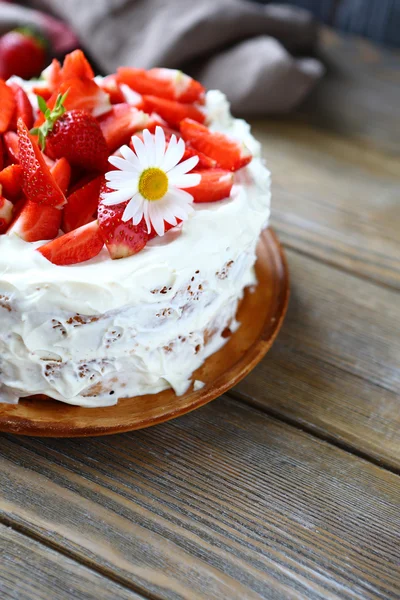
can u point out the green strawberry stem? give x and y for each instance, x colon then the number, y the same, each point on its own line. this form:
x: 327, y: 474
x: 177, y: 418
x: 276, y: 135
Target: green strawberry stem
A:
x: 51, y: 116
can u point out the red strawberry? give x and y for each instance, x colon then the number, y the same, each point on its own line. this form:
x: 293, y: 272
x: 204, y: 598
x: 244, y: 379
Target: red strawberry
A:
x: 74, y: 247
x: 165, y: 83
x: 52, y: 74
x: 6, y: 213
x: 111, y: 86
x: 173, y: 112
x: 2, y: 154
x: 23, y: 107
x: 11, y: 146
x: 22, y: 53
x: 76, y: 65
x: 61, y: 172
x: 36, y: 222
x: 215, y: 184
x: 43, y: 91
x: 229, y: 153
x: 11, y: 181
x: 37, y: 181
x: 121, y: 123
x: 122, y: 239
x: 82, y: 205
x: 205, y: 162
x: 7, y: 106
x: 74, y: 135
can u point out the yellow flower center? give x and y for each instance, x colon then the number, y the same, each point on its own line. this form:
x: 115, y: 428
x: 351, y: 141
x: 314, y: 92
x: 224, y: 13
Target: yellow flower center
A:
x: 153, y: 184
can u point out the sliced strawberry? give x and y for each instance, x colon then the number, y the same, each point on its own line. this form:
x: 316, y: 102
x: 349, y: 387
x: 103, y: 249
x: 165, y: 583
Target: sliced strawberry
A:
x: 6, y: 213
x: 52, y: 75
x: 205, y: 162
x: 131, y: 97
x: 122, y: 239
x: 215, y: 184
x: 229, y: 153
x: 61, y: 172
x: 83, y: 94
x: 156, y: 121
x: 74, y: 247
x: 23, y: 107
x: 82, y: 205
x: 37, y: 182
x: 165, y: 83
x: 121, y: 123
x: 173, y: 112
x: 111, y: 86
x: 11, y: 146
x: 43, y: 90
x: 36, y: 222
x: 76, y: 65
x: 11, y: 181
x: 2, y: 154
x: 7, y: 105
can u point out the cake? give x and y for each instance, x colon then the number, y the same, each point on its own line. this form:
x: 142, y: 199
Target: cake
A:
x: 88, y: 322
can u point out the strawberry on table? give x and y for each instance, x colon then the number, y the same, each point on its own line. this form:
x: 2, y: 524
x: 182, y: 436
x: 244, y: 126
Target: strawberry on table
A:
x: 6, y: 213
x: 74, y: 135
x: 11, y: 148
x: 165, y: 83
x: 23, y: 107
x: 121, y: 123
x: 37, y: 182
x: 173, y: 112
x: 82, y: 205
x: 11, y: 181
x: 61, y: 172
x: 36, y: 222
x: 22, y: 52
x: 74, y: 247
x: 122, y: 239
x: 7, y: 105
x: 229, y: 153
x: 215, y: 184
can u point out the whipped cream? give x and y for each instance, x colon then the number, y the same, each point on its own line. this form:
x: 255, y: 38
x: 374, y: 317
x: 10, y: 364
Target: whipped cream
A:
x: 91, y: 333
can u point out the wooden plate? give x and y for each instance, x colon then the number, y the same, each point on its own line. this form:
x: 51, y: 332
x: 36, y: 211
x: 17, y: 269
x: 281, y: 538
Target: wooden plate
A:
x: 261, y: 313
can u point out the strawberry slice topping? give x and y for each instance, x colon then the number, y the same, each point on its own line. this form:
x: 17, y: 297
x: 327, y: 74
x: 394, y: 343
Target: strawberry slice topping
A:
x: 122, y: 239
x: 11, y: 146
x: 215, y: 184
x: 36, y: 222
x: 165, y: 83
x: 173, y: 112
x: 37, y: 181
x: 229, y: 153
x: 61, y: 172
x: 121, y: 123
x: 11, y: 181
x: 76, y: 65
x: 111, y: 86
x: 7, y: 104
x: 82, y: 205
x: 74, y: 247
x: 6, y: 213
x: 23, y: 107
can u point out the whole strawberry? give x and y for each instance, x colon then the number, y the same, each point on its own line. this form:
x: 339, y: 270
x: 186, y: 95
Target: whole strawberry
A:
x: 22, y: 52
x: 74, y: 135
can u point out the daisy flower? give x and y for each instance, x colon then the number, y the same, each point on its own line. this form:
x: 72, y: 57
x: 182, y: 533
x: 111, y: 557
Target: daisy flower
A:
x: 151, y: 180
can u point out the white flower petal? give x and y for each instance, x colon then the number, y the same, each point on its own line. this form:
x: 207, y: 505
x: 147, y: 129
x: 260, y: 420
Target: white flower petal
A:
x: 121, y: 176
x: 174, y: 153
x: 130, y: 156
x: 159, y: 145
x: 156, y: 218
x: 180, y: 196
x: 140, y: 151
x: 131, y: 188
x: 146, y: 215
x: 184, y: 167
x: 149, y: 145
x: 121, y: 164
x: 138, y: 216
x: 117, y: 197
x: 185, y: 181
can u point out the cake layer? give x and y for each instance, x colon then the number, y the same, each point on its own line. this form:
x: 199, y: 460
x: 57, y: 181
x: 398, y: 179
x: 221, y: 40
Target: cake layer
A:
x: 91, y: 333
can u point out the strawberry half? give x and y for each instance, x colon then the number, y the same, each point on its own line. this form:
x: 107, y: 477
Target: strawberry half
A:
x: 121, y: 123
x: 76, y: 65
x: 7, y: 105
x: 165, y: 83
x: 122, y: 239
x: 11, y: 146
x: 23, y: 107
x: 82, y: 205
x: 61, y: 172
x: 11, y: 181
x: 36, y: 222
x: 173, y: 112
x: 6, y: 213
x: 37, y: 181
x: 74, y: 247
x: 229, y: 153
x: 215, y: 184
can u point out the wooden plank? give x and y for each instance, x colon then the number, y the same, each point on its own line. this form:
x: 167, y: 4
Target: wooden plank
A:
x: 335, y: 365
x: 224, y: 503
x: 334, y: 199
x: 28, y: 570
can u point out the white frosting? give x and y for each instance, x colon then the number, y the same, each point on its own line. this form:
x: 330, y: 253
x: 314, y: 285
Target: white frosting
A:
x: 91, y: 333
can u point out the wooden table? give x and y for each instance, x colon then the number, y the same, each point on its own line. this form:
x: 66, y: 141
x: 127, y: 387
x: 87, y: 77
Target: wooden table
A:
x: 287, y: 487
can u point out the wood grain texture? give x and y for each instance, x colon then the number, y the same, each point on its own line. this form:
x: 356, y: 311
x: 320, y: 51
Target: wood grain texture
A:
x: 335, y: 366
x: 223, y: 503
x: 29, y: 570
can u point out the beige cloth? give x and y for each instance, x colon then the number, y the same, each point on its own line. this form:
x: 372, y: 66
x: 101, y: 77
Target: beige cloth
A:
x: 243, y: 48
